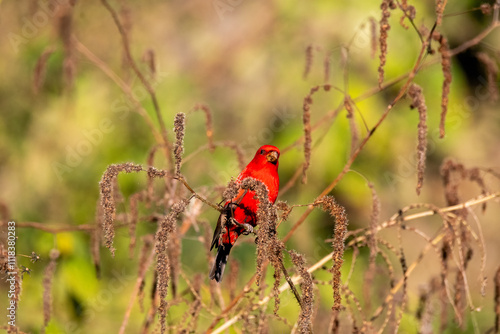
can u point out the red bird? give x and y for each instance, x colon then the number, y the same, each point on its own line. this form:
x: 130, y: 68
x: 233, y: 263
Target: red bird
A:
x: 240, y: 213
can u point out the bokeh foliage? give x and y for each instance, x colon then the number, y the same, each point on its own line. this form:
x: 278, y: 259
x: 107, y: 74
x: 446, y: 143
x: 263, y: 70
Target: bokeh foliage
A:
x: 62, y: 127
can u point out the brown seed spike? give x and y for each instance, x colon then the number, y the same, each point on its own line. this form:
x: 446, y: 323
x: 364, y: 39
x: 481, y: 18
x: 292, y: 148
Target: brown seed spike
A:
x: 440, y: 5
x: 352, y: 123
x: 306, y: 120
x: 384, y: 28
x: 328, y: 204
x: 108, y: 201
x: 306, y: 312
x: 309, y: 60
x: 179, y: 127
x: 418, y: 101
x: 167, y: 229
x: 444, y: 50
x: 47, y: 286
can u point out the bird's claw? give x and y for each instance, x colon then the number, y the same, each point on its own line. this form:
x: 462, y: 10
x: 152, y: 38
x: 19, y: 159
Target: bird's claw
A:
x: 247, y: 227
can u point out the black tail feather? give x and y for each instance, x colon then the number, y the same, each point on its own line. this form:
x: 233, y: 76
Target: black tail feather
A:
x: 220, y: 262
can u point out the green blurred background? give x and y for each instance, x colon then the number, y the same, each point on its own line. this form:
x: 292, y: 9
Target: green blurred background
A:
x: 245, y: 60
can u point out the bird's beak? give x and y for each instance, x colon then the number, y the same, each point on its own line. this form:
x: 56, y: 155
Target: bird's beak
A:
x: 272, y: 157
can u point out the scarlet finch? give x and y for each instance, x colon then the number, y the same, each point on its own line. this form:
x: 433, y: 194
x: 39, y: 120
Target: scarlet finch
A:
x: 240, y: 213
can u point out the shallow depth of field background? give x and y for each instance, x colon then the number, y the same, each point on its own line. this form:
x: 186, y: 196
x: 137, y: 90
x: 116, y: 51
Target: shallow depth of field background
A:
x: 246, y: 61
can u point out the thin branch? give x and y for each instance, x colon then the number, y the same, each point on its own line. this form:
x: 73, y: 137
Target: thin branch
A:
x: 147, y: 85
x: 120, y: 83
x: 137, y: 287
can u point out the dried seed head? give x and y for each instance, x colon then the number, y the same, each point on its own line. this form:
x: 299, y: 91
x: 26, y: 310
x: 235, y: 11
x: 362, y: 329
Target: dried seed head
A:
x: 326, y: 67
x: 231, y: 190
x: 108, y: 201
x: 352, y: 123
x: 165, y: 234
x: 306, y: 285
x: 48, y: 277
x: 444, y: 50
x: 384, y: 29
x: 309, y: 60
x: 306, y: 120
x: 328, y: 204
x: 418, y: 101
x: 179, y: 128
x: 440, y: 5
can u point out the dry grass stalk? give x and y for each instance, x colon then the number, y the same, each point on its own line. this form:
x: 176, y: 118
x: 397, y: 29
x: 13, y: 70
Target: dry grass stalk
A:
x: 352, y: 123
x: 150, y: 59
x: 147, y: 244
x: 208, y: 124
x: 372, y: 245
x: 326, y: 68
x: 418, y: 101
x: 269, y: 247
x: 384, y: 28
x: 179, y: 129
x: 65, y: 30
x: 40, y: 69
x: 452, y: 174
x: 107, y: 199
x: 408, y: 12
x: 440, y: 5
x: 239, y: 152
x: 491, y: 74
x: 96, y: 239
x: 328, y: 204
x: 306, y: 120
x: 373, y: 37
x: 133, y: 218
x: 306, y: 285
x: 130, y: 60
x: 166, y: 232
x: 309, y: 60
x: 48, y: 277
x: 444, y: 51
x: 425, y: 311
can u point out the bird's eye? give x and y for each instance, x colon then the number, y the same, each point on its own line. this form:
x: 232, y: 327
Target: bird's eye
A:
x: 262, y: 152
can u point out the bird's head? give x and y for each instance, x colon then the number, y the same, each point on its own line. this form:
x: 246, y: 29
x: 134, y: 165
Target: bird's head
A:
x: 267, y: 154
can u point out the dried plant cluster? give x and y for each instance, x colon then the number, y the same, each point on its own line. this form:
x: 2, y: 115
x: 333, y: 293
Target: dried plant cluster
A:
x: 174, y: 208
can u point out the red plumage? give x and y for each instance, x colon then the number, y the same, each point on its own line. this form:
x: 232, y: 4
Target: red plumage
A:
x: 240, y: 213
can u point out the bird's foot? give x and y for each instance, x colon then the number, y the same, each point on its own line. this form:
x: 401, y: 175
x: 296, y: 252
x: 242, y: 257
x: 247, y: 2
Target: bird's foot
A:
x: 247, y: 227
